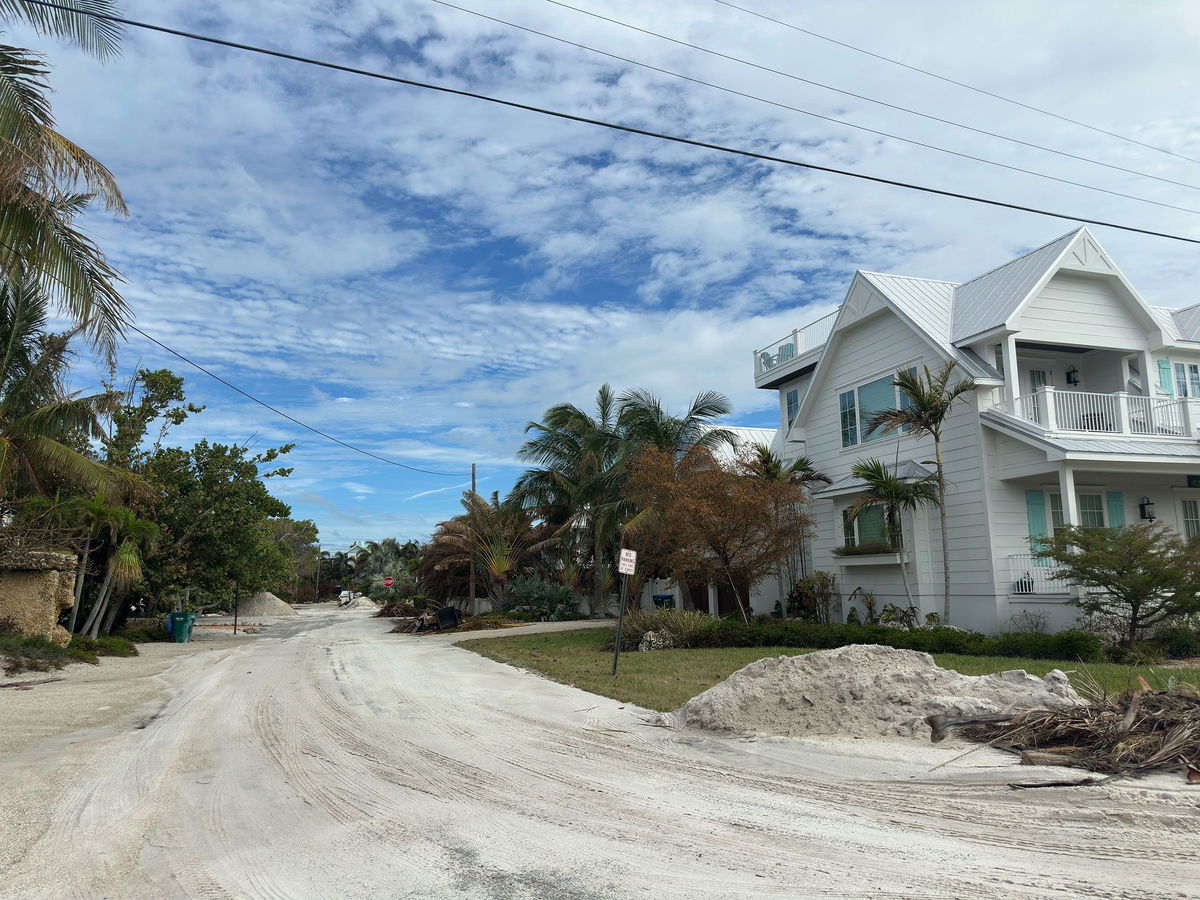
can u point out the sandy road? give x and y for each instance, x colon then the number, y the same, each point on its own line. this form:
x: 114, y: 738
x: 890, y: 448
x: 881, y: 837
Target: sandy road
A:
x: 342, y: 761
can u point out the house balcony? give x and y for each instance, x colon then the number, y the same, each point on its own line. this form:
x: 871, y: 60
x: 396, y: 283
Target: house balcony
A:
x: 1033, y: 576
x: 776, y: 361
x: 1117, y: 414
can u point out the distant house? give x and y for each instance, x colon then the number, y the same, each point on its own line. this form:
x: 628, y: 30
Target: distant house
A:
x: 1086, y: 412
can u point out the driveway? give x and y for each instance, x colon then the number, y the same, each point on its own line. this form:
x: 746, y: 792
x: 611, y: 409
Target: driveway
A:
x: 341, y: 761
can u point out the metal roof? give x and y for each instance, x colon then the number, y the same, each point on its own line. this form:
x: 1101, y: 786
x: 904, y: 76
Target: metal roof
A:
x: 986, y: 302
x: 1186, y: 322
x: 908, y: 470
x: 928, y: 304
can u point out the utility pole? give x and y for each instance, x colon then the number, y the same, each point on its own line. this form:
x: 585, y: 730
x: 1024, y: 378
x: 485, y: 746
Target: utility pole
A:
x: 474, y: 603
x: 317, y: 588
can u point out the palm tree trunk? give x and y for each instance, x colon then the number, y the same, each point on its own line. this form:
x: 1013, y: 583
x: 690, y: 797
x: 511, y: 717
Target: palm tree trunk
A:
x: 101, y: 599
x: 80, y: 577
x: 114, y: 607
x: 903, y: 565
x: 941, y: 479
x: 597, y: 571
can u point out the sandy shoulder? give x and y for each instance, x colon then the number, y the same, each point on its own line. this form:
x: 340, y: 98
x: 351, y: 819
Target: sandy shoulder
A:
x: 115, y: 692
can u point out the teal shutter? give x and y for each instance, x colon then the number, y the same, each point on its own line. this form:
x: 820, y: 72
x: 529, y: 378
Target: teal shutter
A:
x: 1164, y: 377
x: 1116, y: 509
x: 1035, y: 512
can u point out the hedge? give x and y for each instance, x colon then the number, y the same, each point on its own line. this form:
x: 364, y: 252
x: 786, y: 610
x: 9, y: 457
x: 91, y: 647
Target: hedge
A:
x: 1069, y: 645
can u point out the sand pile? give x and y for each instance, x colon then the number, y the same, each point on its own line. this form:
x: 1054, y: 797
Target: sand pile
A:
x: 362, y: 603
x: 264, y: 603
x: 862, y: 691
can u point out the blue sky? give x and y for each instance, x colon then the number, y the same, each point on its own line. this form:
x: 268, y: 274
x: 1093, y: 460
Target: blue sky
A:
x: 422, y: 275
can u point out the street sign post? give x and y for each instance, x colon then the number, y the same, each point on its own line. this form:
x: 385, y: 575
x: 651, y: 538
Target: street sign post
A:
x: 626, y: 565
x: 389, y: 581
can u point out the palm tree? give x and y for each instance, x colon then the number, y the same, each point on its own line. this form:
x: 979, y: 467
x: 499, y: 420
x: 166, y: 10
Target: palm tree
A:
x: 500, y: 537
x: 644, y: 422
x: 578, y: 485
x: 37, y: 417
x: 128, y: 536
x: 928, y: 400
x: 894, y: 495
x: 763, y: 462
x: 46, y: 181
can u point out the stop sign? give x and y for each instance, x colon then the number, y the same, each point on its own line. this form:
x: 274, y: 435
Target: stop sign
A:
x: 389, y: 581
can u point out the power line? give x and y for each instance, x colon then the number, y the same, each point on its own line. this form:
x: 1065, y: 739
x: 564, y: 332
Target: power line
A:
x: 864, y: 97
x: 293, y: 419
x: 628, y: 129
x: 815, y: 115
x: 962, y: 84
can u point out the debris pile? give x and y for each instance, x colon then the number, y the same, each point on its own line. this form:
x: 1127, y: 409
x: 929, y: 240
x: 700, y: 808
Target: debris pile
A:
x: 264, y: 603
x: 1136, y: 731
x: 398, y: 608
x: 863, y: 691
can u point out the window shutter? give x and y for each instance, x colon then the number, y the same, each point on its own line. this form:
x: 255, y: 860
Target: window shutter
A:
x: 1116, y: 509
x: 1164, y: 377
x: 1035, y: 512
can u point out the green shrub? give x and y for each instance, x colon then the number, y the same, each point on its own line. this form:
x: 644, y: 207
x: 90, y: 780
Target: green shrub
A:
x: 1179, y: 642
x: 687, y: 627
x: 144, y: 634
x: 545, y: 601
x: 106, y: 645
x: 25, y: 653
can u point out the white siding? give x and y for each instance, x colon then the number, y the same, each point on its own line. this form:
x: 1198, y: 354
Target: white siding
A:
x: 1081, y: 310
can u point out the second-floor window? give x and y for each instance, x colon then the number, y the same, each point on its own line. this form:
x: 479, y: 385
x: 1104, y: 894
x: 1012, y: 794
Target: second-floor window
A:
x: 1187, y: 380
x: 1091, y: 511
x: 793, y: 404
x: 857, y: 407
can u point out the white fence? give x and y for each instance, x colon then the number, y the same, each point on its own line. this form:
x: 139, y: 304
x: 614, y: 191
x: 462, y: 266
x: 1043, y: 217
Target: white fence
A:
x: 1031, y: 575
x: 799, y: 342
x: 1118, y: 413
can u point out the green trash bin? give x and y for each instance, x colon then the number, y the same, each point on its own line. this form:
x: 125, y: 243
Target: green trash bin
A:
x: 181, y: 626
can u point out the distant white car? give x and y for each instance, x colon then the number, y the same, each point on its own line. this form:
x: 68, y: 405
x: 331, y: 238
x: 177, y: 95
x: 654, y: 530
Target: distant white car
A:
x: 346, y: 596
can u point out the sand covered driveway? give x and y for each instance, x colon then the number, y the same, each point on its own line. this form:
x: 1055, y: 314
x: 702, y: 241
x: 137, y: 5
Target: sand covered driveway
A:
x: 342, y: 761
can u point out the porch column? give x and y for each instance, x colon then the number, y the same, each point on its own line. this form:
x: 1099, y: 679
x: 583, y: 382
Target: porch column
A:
x: 1066, y: 489
x: 712, y: 601
x: 1149, y: 372
x: 1012, y: 374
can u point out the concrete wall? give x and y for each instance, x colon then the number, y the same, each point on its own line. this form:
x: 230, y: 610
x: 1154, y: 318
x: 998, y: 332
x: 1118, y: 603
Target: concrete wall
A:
x: 35, y: 587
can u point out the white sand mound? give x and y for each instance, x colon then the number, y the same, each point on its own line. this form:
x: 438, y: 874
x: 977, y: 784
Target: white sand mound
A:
x: 362, y: 603
x: 862, y: 691
x: 264, y: 603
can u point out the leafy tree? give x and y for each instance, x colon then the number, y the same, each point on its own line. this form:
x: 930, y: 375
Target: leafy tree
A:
x: 154, y: 397
x: 761, y: 461
x: 1143, y: 574
x: 716, y: 523
x: 928, y: 398
x: 887, y: 491
x: 297, y: 540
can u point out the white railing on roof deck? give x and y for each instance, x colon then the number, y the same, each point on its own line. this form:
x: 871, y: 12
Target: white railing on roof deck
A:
x: 810, y: 337
x: 1032, y: 575
x: 1119, y: 413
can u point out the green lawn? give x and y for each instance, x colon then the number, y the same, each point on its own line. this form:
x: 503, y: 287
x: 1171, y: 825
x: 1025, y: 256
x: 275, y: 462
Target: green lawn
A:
x: 664, y: 679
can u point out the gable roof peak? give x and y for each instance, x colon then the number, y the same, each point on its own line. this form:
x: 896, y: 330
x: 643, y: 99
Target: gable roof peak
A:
x: 1063, y: 238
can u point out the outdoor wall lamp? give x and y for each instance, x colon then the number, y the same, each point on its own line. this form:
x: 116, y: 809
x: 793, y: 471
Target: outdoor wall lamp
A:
x: 1072, y: 375
x: 1146, y: 508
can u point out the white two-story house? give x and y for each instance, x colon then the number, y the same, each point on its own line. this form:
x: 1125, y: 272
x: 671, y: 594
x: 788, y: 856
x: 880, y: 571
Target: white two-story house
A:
x: 1087, y: 412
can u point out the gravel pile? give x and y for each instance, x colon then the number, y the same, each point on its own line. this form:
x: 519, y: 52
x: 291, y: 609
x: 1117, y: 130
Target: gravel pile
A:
x: 862, y: 691
x: 362, y: 603
x: 264, y: 603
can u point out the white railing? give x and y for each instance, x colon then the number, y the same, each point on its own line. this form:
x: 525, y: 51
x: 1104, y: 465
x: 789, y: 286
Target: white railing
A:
x: 1119, y: 413
x: 1031, y: 575
x: 799, y: 342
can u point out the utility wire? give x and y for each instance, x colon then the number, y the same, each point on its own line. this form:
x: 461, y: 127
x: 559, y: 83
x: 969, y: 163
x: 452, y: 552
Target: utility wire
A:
x: 864, y: 97
x: 962, y: 84
x: 628, y: 129
x: 293, y: 419
x: 815, y: 115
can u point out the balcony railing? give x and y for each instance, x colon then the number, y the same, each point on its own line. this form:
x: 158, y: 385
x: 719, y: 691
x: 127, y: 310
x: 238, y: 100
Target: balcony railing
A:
x: 1032, y: 575
x: 1119, y: 414
x: 799, y: 342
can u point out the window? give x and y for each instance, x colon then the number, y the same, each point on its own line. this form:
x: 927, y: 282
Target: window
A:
x: 793, y: 405
x: 1187, y: 380
x: 1191, y: 518
x: 859, y: 406
x: 867, y: 527
x: 849, y: 419
x: 1091, y: 511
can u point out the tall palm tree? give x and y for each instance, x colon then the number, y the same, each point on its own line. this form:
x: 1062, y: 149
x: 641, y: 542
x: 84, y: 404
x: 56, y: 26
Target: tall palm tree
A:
x: 46, y: 180
x: 763, y: 462
x: 644, y: 422
x: 928, y: 398
x: 577, y: 486
x: 893, y: 494
x: 128, y: 538
x: 37, y: 417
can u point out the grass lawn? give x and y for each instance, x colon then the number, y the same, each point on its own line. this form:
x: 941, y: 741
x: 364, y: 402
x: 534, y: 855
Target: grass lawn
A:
x: 664, y: 679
